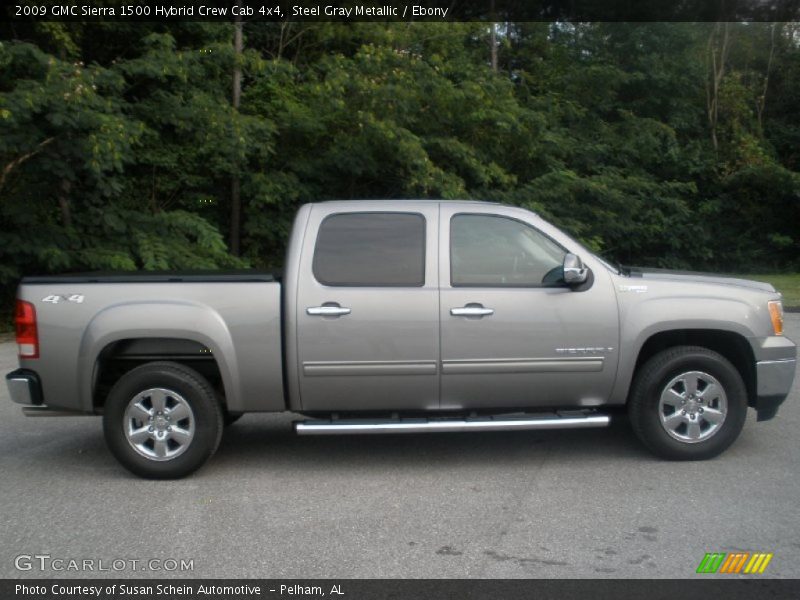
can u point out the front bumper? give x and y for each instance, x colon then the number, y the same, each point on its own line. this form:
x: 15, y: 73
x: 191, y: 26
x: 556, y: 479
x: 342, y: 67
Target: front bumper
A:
x: 774, y: 382
x: 25, y: 387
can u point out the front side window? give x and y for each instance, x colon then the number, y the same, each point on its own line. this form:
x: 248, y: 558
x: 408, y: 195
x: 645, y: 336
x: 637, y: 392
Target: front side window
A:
x: 371, y: 249
x: 495, y: 251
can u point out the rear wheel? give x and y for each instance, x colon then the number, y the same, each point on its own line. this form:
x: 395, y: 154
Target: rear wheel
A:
x: 688, y: 403
x: 162, y: 420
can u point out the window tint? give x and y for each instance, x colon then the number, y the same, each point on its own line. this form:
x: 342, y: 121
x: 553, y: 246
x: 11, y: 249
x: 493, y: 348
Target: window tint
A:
x: 494, y: 251
x: 371, y: 249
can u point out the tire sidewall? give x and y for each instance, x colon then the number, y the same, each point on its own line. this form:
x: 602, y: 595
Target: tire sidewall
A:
x: 197, y: 393
x: 649, y: 424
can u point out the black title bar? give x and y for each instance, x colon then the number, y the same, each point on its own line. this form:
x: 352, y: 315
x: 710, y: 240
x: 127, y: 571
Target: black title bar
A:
x: 403, y: 10
x: 738, y: 588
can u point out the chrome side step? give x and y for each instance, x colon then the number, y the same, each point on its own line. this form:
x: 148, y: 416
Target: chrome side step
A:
x: 46, y: 411
x: 555, y: 420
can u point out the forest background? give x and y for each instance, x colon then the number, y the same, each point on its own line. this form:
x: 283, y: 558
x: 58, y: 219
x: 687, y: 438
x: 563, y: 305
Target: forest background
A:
x: 191, y: 145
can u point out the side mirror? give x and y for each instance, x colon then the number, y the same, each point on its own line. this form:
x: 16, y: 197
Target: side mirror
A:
x: 574, y: 271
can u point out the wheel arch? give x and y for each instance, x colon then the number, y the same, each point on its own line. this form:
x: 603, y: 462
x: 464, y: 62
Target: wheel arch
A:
x: 122, y: 356
x: 156, y: 331
x: 730, y: 344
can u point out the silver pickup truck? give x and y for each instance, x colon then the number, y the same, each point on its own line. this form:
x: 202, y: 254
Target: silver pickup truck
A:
x: 404, y: 316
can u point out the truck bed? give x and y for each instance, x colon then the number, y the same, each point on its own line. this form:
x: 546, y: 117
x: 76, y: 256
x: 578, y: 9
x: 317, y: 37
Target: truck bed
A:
x: 86, y: 321
x: 240, y: 276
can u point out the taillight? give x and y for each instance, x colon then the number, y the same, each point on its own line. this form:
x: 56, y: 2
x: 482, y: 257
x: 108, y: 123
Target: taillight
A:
x: 27, y: 334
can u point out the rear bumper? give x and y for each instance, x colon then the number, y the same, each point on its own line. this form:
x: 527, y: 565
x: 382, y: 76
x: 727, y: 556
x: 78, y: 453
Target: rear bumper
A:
x: 774, y: 382
x: 25, y: 387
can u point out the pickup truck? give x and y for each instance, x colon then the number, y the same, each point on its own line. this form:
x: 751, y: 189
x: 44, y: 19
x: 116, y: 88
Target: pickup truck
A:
x: 404, y: 316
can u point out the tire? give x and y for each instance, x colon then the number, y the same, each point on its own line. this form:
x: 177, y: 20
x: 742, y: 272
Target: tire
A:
x: 673, y: 422
x: 166, y: 444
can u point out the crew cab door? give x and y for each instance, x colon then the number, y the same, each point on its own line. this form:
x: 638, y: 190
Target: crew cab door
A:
x: 512, y: 334
x: 368, y: 308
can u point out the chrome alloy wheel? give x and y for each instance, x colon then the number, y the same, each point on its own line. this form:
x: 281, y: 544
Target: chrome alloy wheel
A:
x: 159, y: 424
x: 692, y: 407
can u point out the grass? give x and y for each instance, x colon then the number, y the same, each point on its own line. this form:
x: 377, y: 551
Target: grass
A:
x: 787, y: 284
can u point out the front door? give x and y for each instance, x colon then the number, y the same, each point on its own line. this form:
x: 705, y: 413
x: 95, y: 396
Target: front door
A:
x: 368, y: 322
x: 512, y: 334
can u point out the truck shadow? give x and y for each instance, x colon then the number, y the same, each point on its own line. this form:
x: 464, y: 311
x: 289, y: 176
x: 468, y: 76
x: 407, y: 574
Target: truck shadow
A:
x: 273, y: 445
x: 260, y: 444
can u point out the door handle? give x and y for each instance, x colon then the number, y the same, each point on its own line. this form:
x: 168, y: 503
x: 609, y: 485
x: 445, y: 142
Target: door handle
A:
x: 472, y: 310
x: 327, y: 310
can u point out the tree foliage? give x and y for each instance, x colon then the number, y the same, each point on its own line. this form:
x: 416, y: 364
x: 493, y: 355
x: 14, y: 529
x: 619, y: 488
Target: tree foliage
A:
x: 120, y: 141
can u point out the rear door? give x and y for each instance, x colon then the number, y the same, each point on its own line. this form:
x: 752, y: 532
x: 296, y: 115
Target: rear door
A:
x: 512, y: 335
x: 368, y: 308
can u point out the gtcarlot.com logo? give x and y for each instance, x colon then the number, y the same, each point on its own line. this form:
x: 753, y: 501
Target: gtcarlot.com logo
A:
x: 747, y: 563
x: 47, y: 562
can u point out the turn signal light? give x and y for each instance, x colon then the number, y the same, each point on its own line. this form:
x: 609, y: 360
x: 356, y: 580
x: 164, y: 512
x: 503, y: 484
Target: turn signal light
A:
x: 776, y: 314
x: 27, y: 333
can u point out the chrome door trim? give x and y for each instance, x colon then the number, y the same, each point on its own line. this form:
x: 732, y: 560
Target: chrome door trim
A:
x: 523, y: 365
x: 350, y: 368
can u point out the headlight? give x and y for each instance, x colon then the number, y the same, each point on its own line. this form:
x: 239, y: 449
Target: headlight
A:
x: 776, y: 314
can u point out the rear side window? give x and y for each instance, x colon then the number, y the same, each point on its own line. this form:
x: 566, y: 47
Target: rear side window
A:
x: 371, y: 249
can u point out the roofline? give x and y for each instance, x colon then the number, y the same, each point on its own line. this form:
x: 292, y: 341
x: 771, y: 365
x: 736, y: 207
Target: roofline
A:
x: 399, y: 200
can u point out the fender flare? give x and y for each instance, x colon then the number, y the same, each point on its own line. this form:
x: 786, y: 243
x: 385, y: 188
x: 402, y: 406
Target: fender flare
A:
x: 178, y: 320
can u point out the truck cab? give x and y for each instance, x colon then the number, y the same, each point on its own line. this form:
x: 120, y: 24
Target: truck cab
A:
x: 443, y: 306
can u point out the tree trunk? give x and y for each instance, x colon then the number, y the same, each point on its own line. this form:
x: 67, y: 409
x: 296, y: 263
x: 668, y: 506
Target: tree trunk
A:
x: 716, y: 57
x: 493, y: 40
x: 18, y: 161
x: 762, y: 100
x: 236, y: 198
x: 63, y: 203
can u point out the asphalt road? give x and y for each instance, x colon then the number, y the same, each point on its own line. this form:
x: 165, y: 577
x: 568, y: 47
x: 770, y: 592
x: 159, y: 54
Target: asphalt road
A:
x: 525, y: 504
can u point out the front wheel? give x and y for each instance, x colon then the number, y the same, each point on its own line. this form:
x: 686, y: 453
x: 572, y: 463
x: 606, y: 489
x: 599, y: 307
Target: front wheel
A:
x: 162, y: 420
x: 688, y: 403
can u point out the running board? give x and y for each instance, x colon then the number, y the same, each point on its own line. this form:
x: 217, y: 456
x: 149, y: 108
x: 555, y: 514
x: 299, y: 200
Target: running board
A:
x: 46, y: 411
x: 555, y: 420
